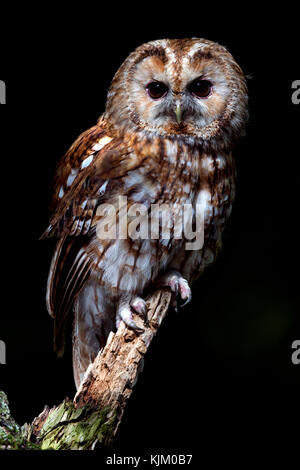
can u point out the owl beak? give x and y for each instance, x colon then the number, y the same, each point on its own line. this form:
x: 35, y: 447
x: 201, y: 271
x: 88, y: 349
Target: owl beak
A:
x: 178, y: 113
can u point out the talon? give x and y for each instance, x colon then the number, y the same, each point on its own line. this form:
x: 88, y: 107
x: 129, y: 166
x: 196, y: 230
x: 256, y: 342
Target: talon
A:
x: 179, y: 287
x: 139, y: 306
x: 124, y: 314
x: 185, y: 291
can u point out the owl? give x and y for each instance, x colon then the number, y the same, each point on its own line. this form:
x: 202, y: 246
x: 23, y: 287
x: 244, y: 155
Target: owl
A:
x: 174, y: 111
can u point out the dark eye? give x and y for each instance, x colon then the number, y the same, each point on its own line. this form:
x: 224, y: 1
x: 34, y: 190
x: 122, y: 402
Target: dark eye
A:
x: 200, y: 88
x: 157, y: 90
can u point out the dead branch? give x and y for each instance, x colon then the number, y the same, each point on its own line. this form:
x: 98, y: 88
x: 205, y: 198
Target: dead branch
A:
x: 93, y: 417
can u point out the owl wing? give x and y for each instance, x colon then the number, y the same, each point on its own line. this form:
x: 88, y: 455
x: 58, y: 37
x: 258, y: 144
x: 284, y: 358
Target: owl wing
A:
x: 80, y: 183
x: 81, y: 179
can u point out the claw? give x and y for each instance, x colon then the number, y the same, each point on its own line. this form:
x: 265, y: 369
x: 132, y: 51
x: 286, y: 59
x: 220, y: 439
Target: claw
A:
x: 125, y: 314
x: 179, y: 287
x: 185, y: 291
x: 139, y: 306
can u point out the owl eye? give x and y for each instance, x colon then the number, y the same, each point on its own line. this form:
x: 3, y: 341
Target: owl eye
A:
x: 200, y: 88
x: 156, y: 90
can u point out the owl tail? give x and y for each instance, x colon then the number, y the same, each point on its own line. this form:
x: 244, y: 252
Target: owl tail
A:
x: 94, y: 319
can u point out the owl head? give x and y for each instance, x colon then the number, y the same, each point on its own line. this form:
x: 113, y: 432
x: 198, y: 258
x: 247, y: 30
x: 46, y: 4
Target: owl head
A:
x: 180, y: 87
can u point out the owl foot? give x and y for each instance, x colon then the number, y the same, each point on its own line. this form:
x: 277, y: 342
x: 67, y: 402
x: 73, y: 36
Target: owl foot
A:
x: 124, y: 313
x: 179, y: 287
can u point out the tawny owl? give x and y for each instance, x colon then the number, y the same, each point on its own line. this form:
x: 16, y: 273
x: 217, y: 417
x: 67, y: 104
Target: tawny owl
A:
x: 174, y: 110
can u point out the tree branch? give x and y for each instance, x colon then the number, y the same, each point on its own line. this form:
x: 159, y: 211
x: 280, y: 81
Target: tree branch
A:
x: 93, y: 417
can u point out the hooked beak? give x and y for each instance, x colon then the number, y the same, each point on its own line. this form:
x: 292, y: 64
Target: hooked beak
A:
x: 178, y: 112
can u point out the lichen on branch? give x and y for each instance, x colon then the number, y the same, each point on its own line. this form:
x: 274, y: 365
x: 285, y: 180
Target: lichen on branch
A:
x: 93, y: 417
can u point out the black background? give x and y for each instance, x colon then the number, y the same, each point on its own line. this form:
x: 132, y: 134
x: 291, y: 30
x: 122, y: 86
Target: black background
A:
x: 219, y: 374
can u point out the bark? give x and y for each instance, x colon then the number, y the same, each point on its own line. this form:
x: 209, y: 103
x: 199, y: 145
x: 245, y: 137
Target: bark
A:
x: 91, y: 420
